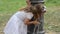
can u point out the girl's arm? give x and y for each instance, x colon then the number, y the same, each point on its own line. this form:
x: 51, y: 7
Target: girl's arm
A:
x: 28, y: 22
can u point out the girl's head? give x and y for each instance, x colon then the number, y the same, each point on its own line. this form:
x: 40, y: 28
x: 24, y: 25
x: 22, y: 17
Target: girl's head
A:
x: 36, y: 9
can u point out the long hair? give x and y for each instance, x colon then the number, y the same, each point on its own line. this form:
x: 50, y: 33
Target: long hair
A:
x: 36, y: 10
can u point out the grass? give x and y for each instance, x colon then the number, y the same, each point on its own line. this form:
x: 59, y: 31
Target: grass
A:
x: 52, y: 16
x: 52, y: 19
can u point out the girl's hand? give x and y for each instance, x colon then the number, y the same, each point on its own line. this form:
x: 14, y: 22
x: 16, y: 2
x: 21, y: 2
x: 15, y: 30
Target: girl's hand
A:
x: 26, y: 21
x: 36, y: 23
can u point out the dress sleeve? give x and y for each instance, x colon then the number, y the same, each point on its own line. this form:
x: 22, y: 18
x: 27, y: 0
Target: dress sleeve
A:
x: 29, y: 15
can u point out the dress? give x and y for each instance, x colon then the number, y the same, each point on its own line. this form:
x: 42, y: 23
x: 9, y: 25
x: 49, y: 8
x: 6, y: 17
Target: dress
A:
x: 16, y: 23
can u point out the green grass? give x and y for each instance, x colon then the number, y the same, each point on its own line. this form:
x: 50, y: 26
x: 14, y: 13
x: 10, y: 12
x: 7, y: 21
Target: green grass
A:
x: 52, y: 16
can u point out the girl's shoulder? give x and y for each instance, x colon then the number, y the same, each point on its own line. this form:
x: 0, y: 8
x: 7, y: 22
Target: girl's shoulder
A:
x: 29, y: 15
x: 19, y: 13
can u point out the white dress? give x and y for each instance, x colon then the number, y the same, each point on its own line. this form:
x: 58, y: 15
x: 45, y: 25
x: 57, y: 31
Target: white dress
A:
x: 16, y: 23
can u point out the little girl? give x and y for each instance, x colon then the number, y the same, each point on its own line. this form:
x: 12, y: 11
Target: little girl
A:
x: 19, y: 21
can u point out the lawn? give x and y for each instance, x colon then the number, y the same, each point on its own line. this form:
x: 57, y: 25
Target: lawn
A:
x: 51, y: 17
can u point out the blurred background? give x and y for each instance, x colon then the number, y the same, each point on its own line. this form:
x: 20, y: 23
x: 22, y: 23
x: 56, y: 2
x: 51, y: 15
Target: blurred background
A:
x: 51, y: 17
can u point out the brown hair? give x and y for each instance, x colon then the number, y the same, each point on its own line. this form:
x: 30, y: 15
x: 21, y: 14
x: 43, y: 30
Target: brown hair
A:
x: 36, y: 10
